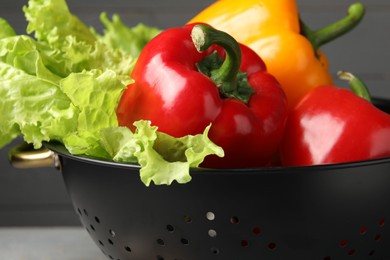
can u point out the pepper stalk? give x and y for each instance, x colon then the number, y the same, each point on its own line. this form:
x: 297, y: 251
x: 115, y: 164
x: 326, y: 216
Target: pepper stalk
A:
x: 324, y: 35
x: 228, y: 78
x: 357, y: 85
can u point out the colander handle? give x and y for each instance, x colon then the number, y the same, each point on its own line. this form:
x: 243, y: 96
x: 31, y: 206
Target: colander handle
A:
x: 24, y: 156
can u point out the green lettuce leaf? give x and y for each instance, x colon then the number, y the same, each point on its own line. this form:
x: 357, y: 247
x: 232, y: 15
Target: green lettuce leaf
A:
x: 69, y: 44
x: 163, y: 158
x: 51, y: 21
x: 32, y: 103
x: 42, y: 106
x: 118, y: 36
x: 6, y: 29
x: 96, y: 98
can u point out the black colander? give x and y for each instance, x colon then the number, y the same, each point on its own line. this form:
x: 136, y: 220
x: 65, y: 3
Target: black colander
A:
x: 331, y: 212
x: 319, y: 212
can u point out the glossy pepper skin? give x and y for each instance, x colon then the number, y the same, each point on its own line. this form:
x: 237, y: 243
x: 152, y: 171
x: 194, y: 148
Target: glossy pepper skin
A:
x: 174, y: 95
x: 334, y: 125
x: 287, y: 46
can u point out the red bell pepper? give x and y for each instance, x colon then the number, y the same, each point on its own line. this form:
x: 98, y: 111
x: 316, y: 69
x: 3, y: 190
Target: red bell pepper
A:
x: 335, y: 125
x: 189, y: 77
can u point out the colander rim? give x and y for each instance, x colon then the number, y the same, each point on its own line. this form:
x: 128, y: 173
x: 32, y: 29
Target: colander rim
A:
x: 60, y: 149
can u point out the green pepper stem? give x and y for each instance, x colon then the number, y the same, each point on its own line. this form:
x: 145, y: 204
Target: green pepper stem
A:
x: 324, y: 35
x: 225, y: 77
x: 357, y: 86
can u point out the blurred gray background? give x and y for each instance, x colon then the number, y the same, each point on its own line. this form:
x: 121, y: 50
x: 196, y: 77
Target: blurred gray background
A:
x: 38, y: 197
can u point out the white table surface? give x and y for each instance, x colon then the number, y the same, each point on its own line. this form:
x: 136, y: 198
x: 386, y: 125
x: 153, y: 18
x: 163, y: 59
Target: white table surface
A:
x: 47, y: 243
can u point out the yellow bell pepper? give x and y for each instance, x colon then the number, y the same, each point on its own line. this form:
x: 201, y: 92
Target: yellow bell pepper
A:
x: 274, y: 30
